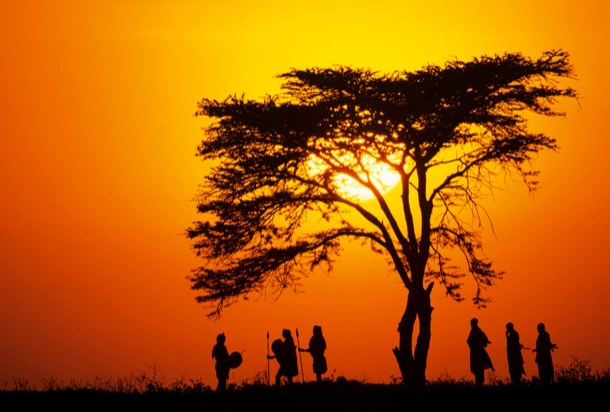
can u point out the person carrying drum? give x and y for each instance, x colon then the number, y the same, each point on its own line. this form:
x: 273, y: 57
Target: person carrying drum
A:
x: 286, y: 354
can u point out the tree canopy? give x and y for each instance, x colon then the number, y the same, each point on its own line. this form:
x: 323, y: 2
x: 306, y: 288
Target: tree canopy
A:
x: 277, y: 161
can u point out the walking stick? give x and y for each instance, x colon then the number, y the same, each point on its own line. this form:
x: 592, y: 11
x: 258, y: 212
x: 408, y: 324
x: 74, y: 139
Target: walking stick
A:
x: 268, y: 370
x: 300, y: 358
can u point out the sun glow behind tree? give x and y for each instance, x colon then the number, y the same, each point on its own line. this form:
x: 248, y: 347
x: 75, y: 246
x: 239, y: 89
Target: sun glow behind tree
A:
x: 381, y: 175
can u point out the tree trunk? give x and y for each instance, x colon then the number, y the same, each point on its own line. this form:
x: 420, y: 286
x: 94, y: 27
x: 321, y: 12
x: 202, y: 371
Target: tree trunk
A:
x: 413, y: 364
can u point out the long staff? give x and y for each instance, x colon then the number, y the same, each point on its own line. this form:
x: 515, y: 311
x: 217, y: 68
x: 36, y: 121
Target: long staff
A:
x: 268, y: 368
x: 300, y: 358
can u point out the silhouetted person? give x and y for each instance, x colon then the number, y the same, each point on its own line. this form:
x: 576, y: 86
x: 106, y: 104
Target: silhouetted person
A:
x: 513, y: 352
x: 544, y: 359
x: 317, y: 346
x: 286, y: 354
x: 479, y: 358
x: 221, y: 354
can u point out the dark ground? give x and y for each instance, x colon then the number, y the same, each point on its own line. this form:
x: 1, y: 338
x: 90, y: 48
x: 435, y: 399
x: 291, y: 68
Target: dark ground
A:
x: 347, y: 396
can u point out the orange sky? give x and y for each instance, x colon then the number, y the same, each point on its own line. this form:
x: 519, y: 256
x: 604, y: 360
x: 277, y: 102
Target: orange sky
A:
x: 97, y: 173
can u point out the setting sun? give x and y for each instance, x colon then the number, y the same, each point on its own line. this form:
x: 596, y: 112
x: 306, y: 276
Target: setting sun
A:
x: 381, y: 175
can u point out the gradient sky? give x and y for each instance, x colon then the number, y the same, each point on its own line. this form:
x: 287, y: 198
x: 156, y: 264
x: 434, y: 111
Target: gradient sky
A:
x: 98, y: 173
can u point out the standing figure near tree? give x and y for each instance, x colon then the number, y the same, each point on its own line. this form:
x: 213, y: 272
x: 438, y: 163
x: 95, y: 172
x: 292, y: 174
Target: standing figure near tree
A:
x: 221, y: 354
x: 513, y: 352
x: 286, y: 354
x: 317, y: 346
x: 479, y: 358
x: 544, y: 359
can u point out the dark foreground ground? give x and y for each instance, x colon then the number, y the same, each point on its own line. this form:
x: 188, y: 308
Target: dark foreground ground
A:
x: 346, y: 396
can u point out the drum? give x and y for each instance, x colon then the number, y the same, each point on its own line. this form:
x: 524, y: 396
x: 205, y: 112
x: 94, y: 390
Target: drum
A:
x: 276, y: 347
x: 235, y: 360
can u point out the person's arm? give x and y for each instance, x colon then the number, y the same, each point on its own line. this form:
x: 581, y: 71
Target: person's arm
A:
x: 553, y: 346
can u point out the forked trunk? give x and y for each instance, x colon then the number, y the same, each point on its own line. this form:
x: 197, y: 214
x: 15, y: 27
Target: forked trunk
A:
x: 412, y: 363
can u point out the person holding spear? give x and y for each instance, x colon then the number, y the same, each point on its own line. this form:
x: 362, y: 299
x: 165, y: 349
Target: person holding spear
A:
x: 317, y: 346
x: 286, y: 354
x: 300, y: 358
x: 268, y: 366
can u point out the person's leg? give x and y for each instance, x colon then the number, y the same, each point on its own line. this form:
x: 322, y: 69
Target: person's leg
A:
x: 543, y: 373
x: 479, y: 377
x: 222, y: 385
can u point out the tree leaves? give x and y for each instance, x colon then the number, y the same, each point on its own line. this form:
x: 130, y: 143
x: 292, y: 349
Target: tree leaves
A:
x: 465, y: 120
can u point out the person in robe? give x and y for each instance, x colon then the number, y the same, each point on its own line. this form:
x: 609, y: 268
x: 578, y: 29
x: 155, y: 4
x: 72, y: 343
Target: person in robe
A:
x: 513, y: 353
x: 479, y: 358
x: 221, y: 354
x: 544, y: 359
x: 317, y: 347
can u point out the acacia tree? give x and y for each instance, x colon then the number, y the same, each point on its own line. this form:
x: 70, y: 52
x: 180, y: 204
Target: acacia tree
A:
x: 283, y: 158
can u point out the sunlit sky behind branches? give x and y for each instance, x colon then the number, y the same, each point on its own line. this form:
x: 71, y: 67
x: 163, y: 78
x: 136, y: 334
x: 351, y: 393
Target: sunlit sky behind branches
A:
x: 98, y: 173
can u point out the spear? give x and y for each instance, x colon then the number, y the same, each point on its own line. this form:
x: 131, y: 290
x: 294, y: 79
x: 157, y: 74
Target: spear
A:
x: 300, y: 358
x: 268, y: 369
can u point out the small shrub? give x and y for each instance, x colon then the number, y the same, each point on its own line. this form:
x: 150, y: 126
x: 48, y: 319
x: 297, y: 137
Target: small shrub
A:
x: 579, y: 370
x: 23, y: 385
x: 395, y: 380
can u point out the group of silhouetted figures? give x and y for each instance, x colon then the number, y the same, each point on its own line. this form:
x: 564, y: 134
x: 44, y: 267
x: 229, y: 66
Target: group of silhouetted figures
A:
x: 480, y: 360
x: 284, y: 351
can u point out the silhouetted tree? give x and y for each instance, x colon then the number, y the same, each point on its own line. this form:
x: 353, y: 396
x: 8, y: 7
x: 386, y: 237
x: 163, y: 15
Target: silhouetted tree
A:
x: 282, y: 159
